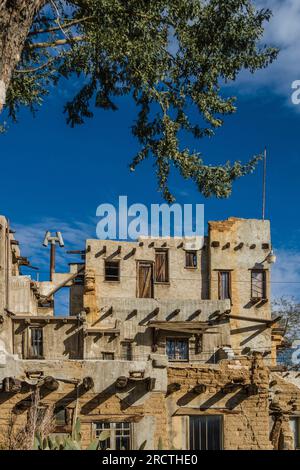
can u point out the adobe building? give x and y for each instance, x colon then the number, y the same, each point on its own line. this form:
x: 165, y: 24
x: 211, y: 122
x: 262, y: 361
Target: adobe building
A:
x: 168, y: 341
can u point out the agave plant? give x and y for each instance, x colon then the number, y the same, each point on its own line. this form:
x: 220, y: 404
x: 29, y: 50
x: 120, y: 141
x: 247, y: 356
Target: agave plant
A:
x: 71, y: 442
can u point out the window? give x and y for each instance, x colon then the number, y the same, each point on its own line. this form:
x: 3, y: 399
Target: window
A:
x: 108, y: 356
x: 120, y: 435
x: 206, y: 432
x: 258, y: 284
x: 61, y: 417
x: 112, y: 271
x: 36, y: 342
x: 177, y: 349
x: 161, y: 266
x: 295, y: 427
x: 191, y: 259
x: 198, y: 344
x: 224, y: 285
x: 126, y: 352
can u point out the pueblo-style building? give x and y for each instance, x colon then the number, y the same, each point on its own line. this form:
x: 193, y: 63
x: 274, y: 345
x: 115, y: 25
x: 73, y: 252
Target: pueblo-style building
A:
x: 168, y: 341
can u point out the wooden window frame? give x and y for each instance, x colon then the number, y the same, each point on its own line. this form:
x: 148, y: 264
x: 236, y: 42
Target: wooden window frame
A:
x: 264, y: 286
x: 115, y: 261
x: 103, y: 353
x: 229, y: 272
x: 126, y: 343
x: 112, y: 426
x: 195, y: 254
x: 179, y: 338
x: 164, y: 251
x: 30, y: 354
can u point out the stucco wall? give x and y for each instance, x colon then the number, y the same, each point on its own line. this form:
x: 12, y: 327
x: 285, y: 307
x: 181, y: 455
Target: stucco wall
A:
x: 241, y: 249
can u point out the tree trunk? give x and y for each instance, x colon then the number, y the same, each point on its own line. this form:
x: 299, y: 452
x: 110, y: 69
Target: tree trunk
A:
x: 16, y: 17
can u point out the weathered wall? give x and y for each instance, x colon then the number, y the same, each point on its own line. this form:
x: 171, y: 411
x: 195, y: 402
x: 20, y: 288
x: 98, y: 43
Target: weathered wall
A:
x: 61, y: 339
x: 104, y: 402
x: 236, y: 390
x: 240, y: 249
x: 182, y: 280
x: 284, y: 406
x: 8, y: 268
x: 22, y: 298
x: 133, y: 315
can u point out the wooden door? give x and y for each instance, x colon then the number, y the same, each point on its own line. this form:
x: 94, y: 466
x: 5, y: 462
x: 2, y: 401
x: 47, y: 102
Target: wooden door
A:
x: 145, y: 280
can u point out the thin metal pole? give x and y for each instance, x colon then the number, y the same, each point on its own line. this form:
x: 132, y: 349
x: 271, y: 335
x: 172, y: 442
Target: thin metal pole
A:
x: 264, y: 185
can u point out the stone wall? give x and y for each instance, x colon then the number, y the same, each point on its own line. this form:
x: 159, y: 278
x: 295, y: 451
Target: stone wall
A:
x: 236, y: 390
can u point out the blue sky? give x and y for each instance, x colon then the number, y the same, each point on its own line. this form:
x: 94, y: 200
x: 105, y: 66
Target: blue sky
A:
x: 54, y: 177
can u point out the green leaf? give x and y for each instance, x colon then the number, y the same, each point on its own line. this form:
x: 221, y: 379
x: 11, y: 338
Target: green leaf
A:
x: 93, y: 445
x: 143, y: 445
x: 120, y: 48
x: 104, y: 436
x: 160, y: 445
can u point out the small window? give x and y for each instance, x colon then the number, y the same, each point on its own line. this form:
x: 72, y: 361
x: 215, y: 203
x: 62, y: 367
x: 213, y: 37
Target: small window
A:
x: 61, y: 418
x: 120, y: 435
x: 177, y: 349
x: 161, y: 266
x: 191, y: 259
x: 258, y: 284
x: 206, y: 432
x: 112, y: 271
x: 198, y: 344
x: 108, y: 356
x: 295, y: 428
x: 224, y: 285
x: 126, y: 352
x: 36, y: 342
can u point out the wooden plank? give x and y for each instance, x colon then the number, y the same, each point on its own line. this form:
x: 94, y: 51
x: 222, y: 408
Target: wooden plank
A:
x: 256, y: 320
x: 181, y: 324
x: 188, y: 411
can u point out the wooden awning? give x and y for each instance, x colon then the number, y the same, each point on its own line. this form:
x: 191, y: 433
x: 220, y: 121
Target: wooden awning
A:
x: 183, y: 326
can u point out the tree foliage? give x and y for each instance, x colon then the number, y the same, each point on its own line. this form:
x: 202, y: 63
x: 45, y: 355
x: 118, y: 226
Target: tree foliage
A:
x: 289, y: 310
x: 173, y: 57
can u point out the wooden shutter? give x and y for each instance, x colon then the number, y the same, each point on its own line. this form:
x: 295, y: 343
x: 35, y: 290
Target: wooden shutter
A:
x: 161, y: 266
x: 145, y: 280
x: 190, y: 259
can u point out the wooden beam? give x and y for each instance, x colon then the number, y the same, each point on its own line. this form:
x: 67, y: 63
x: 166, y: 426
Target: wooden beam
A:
x: 44, y: 318
x: 253, y: 319
x: 57, y: 288
x: 188, y: 411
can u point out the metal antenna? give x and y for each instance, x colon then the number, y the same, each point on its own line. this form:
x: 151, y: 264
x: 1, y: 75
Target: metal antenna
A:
x: 264, y: 185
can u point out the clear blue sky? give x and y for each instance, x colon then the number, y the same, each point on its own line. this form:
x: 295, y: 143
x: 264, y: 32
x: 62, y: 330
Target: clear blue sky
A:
x: 54, y: 177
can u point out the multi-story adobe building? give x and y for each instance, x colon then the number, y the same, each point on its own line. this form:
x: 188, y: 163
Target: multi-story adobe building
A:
x: 168, y: 341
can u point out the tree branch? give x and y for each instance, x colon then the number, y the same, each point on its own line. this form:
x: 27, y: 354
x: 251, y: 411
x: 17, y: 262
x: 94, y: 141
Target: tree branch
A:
x: 56, y: 28
x: 58, y: 42
x: 35, y: 69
